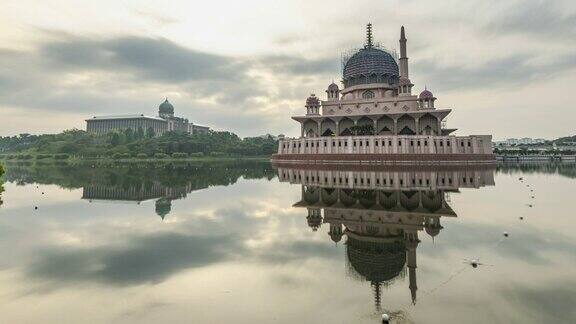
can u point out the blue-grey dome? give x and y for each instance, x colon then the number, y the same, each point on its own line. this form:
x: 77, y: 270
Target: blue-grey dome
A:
x: 370, y: 65
x: 166, y: 107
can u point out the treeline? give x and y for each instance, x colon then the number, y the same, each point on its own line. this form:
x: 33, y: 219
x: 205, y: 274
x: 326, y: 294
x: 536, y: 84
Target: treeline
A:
x: 130, y: 144
x: 565, y: 140
x: 1, y: 187
x: 195, y: 174
x: 527, y: 151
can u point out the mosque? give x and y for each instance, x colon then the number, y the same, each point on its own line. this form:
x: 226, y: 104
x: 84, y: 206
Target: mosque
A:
x: 164, y: 122
x: 376, y: 117
x: 380, y: 214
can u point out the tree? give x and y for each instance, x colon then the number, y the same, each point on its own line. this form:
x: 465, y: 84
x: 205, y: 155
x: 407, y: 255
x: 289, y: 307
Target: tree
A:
x: 150, y: 132
x: 140, y: 133
x: 115, y: 140
x: 129, y: 135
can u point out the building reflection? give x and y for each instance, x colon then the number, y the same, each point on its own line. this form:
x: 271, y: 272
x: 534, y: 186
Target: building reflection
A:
x: 138, y: 193
x: 379, y: 214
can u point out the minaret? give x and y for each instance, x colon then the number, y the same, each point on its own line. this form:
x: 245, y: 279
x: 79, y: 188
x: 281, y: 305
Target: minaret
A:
x: 411, y: 245
x: 403, y: 58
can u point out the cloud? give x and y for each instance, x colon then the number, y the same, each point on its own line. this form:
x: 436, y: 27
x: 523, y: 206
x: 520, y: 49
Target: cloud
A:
x: 147, y: 259
x: 543, y: 19
x: 298, y: 66
x: 156, y: 59
x: 551, y: 304
x: 500, y: 72
x: 90, y: 76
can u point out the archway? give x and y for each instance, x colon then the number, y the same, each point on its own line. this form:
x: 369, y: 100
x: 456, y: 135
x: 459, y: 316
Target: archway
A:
x: 364, y: 126
x: 327, y: 127
x: 407, y: 125
x: 344, y: 126
x: 428, y: 125
x: 310, y: 128
x: 385, y: 126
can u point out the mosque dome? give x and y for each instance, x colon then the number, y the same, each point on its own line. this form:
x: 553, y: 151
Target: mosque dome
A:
x: 376, y: 261
x: 426, y: 94
x: 166, y: 107
x: 370, y: 65
x: 312, y: 101
x: 163, y: 207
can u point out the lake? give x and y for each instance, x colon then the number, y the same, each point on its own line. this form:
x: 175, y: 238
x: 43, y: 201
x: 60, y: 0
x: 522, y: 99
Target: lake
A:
x: 248, y: 242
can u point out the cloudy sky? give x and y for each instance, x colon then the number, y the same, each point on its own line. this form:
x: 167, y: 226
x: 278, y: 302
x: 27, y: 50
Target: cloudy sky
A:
x: 505, y: 67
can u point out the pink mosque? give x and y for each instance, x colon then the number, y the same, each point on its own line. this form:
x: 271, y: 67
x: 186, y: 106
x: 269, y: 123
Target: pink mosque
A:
x: 375, y: 118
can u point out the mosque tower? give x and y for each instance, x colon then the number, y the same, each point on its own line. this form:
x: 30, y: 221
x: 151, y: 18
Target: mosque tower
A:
x: 411, y: 245
x: 404, y: 84
x: 403, y: 58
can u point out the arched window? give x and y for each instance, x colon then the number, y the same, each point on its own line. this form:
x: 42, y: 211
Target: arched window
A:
x: 368, y: 94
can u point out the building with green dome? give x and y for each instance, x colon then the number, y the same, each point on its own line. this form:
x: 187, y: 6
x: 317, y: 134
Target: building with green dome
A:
x: 157, y: 125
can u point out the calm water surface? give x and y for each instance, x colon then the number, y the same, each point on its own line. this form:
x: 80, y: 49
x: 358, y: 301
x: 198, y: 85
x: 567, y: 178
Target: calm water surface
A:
x: 249, y: 243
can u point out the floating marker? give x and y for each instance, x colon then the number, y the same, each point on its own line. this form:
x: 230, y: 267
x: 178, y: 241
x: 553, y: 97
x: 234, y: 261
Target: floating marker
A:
x: 521, y: 218
x: 505, y: 234
x: 35, y: 207
x: 385, y: 318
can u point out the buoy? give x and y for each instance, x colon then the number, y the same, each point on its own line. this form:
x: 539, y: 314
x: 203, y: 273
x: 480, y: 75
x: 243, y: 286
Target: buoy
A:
x: 521, y: 218
x: 35, y: 207
x: 42, y: 192
x: 385, y: 319
x: 505, y: 234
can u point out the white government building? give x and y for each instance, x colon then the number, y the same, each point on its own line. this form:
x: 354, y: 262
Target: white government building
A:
x: 165, y: 122
x: 376, y: 118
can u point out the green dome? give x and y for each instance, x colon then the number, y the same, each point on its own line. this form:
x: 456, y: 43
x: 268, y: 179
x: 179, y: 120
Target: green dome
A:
x: 166, y: 107
x: 163, y: 207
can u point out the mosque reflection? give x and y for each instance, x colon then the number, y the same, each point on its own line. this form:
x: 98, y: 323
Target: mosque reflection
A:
x: 380, y: 213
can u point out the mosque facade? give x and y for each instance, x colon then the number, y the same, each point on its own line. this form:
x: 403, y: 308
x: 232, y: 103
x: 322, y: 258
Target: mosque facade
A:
x: 376, y: 117
x: 164, y: 122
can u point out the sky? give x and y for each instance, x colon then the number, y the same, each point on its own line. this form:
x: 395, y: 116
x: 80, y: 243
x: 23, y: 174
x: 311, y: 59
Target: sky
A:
x: 505, y: 68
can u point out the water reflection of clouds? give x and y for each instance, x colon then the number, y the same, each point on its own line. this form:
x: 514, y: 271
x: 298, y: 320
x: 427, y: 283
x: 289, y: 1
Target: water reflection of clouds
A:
x: 213, y: 232
x: 238, y: 246
x: 146, y: 259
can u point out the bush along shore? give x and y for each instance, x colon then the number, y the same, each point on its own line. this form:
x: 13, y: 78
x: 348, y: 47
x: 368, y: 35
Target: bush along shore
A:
x: 75, y: 144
